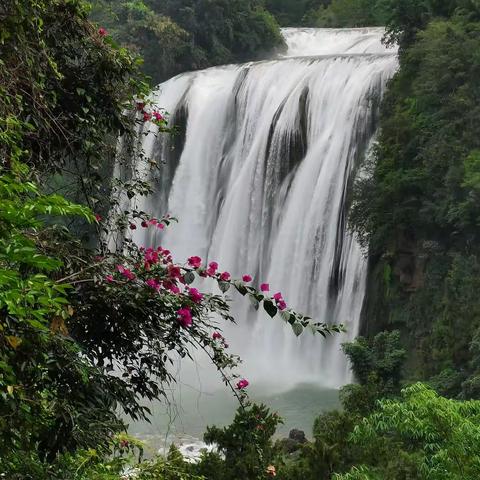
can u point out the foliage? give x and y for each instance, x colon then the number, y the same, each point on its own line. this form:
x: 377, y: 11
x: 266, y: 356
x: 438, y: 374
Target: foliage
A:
x: 39, y: 366
x: 443, y: 432
x: 291, y: 13
x: 66, y: 83
x: 412, y: 434
x: 246, y: 446
x: 165, y: 47
x: 63, y: 89
x: 350, y: 13
x: 179, y: 35
x: 381, y: 356
x: 377, y: 365
x: 422, y: 153
x: 417, y: 209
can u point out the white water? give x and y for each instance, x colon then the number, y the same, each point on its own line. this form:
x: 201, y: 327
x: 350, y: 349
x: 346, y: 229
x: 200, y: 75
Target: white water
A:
x: 261, y: 184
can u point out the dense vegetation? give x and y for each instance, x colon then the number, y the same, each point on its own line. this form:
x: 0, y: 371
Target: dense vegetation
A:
x: 418, y: 211
x: 412, y: 433
x: 178, y: 35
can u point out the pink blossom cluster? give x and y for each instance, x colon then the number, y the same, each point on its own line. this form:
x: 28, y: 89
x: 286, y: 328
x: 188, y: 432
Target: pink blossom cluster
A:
x: 217, y: 336
x: 148, y: 223
x: 154, y: 116
x: 281, y: 305
x: 173, y: 278
x: 128, y: 274
x: 184, y: 317
x: 242, y: 384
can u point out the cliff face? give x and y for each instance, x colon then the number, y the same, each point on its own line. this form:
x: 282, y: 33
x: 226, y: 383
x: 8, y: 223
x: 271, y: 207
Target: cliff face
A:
x: 430, y: 294
x: 418, y: 210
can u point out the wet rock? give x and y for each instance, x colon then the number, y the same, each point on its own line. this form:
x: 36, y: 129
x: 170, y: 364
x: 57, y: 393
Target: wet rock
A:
x: 294, y: 442
x: 297, y: 436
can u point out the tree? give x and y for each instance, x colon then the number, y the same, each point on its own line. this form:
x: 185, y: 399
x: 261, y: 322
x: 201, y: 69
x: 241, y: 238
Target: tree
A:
x: 246, y: 445
x: 179, y: 35
x: 417, y: 208
x: 443, y: 433
x: 351, y: 13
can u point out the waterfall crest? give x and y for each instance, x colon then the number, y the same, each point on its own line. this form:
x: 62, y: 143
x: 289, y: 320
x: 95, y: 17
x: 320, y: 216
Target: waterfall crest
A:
x: 260, y: 178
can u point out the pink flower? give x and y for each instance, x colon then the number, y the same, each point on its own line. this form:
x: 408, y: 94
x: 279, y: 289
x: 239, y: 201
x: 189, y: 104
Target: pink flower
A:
x: 160, y: 226
x: 171, y: 286
x: 195, y: 262
x: 140, y: 106
x: 281, y: 305
x: 217, y: 336
x: 109, y: 278
x: 247, y: 278
x: 98, y: 217
x: 174, y: 271
x: 146, y: 116
x: 225, y: 276
x: 128, y: 274
x: 184, y: 317
x: 144, y: 224
x: 242, y: 384
x: 152, y: 283
x: 195, y: 295
x: 212, y: 269
x: 264, y: 287
x: 153, y: 221
x: 280, y: 301
x: 132, y: 226
x: 151, y: 256
x: 158, y: 116
x: 102, y: 32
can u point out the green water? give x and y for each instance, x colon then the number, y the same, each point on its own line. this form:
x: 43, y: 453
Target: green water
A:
x: 189, y: 413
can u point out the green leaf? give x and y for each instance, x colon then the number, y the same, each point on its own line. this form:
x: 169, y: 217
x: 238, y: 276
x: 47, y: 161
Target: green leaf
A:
x: 297, y: 329
x: 241, y: 288
x: 270, y: 308
x: 223, y: 286
x: 255, y: 302
x: 189, y: 278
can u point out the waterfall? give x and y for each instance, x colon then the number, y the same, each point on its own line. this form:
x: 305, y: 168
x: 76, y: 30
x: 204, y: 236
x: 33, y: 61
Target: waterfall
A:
x: 259, y: 176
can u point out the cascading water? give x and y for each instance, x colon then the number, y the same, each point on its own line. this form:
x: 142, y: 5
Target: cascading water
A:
x: 259, y: 179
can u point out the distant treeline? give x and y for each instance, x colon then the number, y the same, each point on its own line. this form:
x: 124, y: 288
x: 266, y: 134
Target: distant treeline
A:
x: 174, y: 36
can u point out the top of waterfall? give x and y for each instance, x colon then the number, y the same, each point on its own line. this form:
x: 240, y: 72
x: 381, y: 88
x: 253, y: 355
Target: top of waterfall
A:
x: 307, y: 42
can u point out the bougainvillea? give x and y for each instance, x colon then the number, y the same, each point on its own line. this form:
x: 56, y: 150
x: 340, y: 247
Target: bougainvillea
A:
x: 141, y: 291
